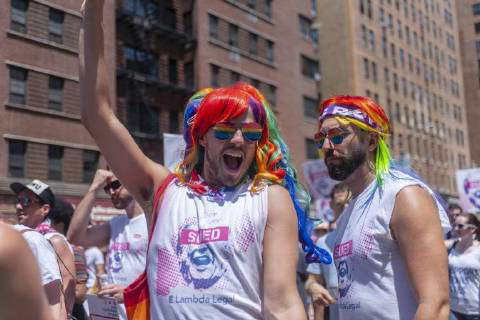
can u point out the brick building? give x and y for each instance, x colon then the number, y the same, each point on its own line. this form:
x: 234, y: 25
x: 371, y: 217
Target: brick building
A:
x: 41, y: 133
x: 159, y: 53
x: 469, y: 27
x: 406, y: 55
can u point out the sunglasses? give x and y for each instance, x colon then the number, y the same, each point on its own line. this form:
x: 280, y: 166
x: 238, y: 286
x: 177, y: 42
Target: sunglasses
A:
x: 25, y: 201
x: 462, y: 226
x: 114, y: 185
x: 251, y: 131
x: 335, y: 136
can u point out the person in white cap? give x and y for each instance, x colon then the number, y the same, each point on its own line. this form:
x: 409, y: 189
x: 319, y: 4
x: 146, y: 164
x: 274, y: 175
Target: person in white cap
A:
x: 34, y: 203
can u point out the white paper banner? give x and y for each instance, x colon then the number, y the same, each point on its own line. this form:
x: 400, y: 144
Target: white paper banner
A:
x: 173, y: 149
x: 468, y: 185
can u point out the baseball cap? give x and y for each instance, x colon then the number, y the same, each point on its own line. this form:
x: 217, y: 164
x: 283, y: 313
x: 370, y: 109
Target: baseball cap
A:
x: 39, y: 188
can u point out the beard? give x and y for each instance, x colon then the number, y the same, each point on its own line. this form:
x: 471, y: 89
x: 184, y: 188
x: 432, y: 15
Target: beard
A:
x: 346, y: 166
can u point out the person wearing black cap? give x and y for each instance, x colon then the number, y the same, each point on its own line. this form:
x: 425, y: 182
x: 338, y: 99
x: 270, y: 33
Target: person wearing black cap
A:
x: 34, y: 203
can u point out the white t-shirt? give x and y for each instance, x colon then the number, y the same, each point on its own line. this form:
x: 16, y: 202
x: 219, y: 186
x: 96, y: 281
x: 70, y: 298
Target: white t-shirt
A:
x: 464, y: 274
x: 94, y: 257
x: 205, y: 259
x: 372, y: 275
x: 127, y: 251
x: 43, y: 252
x: 328, y: 271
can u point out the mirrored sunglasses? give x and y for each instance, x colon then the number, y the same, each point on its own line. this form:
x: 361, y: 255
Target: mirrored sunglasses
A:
x: 114, y: 185
x: 250, y: 132
x: 335, y: 138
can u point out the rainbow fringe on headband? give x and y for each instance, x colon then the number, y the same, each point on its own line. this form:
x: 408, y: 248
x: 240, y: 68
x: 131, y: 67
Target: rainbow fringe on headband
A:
x: 272, y: 159
x: 366, y: 114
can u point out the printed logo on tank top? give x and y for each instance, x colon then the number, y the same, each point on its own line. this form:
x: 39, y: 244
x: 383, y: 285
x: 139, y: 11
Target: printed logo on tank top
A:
x: 197, y: 258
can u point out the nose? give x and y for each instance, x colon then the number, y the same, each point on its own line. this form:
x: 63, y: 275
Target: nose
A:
x: 18, y: 206
x: 237, y: 137
x: 327, y: 144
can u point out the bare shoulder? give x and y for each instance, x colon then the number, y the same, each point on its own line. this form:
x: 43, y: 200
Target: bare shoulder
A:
x: 12, y: 243
x: 280, y: 205
x: 414, y: 209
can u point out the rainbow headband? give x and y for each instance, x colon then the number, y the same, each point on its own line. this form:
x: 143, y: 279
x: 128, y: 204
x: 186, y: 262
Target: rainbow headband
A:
x: 349, y: 112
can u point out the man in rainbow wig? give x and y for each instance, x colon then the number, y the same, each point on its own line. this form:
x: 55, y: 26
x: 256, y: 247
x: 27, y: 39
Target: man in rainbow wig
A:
x: 389, y: 250
x: 226, y: 223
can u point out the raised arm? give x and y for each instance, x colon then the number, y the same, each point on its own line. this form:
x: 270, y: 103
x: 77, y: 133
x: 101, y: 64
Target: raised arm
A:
x: 416, y: 226
x: 280, y: 254
x: 139, y: 174
x: 79, y: 232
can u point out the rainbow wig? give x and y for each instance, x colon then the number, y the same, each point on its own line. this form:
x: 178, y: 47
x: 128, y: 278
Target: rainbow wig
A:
x: 272, y: 158
x: 367, y: 115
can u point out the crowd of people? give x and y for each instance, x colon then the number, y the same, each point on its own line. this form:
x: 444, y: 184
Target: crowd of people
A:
x: 226, y: 234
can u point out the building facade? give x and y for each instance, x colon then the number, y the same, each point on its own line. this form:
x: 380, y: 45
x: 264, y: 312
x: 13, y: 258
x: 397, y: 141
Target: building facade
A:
x: 158, y: 54
x: 406, y: 55
x: 469, y: 27
x: 41, y: 133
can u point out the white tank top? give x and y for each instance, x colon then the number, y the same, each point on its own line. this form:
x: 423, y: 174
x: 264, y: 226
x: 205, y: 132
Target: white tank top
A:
x: 127, y: 252
x: 205, y: 256
x: 372, y: 278
x: 464, y: 274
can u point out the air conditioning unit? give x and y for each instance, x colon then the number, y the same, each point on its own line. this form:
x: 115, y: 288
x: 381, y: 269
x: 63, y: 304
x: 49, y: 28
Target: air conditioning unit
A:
x: 317, y: 76
x: 234, y: 56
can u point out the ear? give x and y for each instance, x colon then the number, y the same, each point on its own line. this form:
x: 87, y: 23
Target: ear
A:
x: 45, y: 210
x: 372, y: 142
x: 202, y: 141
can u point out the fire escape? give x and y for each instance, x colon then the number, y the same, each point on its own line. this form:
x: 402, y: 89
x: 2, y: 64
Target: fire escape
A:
x: 155, y: 50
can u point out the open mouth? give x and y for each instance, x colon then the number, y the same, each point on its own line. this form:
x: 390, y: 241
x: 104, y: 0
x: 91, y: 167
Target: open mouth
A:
x: 232, y: 161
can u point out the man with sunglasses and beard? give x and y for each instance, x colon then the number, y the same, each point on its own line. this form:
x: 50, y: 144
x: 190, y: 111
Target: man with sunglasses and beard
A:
x: 389, y: 248
x: 125, y: 235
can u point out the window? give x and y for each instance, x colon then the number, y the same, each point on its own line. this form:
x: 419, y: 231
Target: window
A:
x: 173, y: 122
x: 142, y: 118
x: 213, y: 26
x: 90, y: 162
x: 270, y: 51
x: 18, y: 15
x: 141, y: 8
x: 363, y: 29
x: 253, y: 44
x: 55, y: 93
x: 371, y: 39
x: 310, y: 107
x: 55, y: 25
x: 310, y: 68
x: 312, y: 150
x: 252, y: 4
x: 271, y: 95
x: 18, y: 85
x: 189, y: 75
x: 234, y: 77
x: 141, y: 61
x: 172, y: 71
x: 366, y: 68
x: 215, y: 75
x: 304, y: 27
x: 55, y: 162
x: 477, y: 27
x: 16, y: 158
x: 267, y: 8
x: 395, y: 82
x: 233, y: 35
x: 188, y: 23
x: 361, y: 7
x: 369, y: 9
x: 374, y: 72
x: 476, y: 9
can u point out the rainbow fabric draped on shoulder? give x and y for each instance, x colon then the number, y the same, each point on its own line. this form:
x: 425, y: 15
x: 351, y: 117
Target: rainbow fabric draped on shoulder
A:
x: 272, y: 163
x: 366, y: 114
